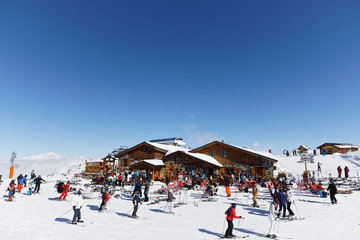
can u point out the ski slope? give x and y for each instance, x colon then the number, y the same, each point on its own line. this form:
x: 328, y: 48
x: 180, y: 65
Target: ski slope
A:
x: 42, y: 217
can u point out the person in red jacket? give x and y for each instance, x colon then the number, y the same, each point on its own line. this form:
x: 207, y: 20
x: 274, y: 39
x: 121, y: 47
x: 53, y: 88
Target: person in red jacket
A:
x: 230, y: 215
x: 65, y: 191
x: 105, y: 200
x: 339, y: 171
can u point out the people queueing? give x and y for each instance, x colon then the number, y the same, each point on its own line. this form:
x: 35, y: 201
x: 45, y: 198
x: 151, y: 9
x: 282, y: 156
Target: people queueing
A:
x: 38, y: 182
x: 146, y: 191
x: 169, y: 203
x: 281, y: 197
x: 333, y: 190
x: 64, y: 192
x: 230, y: 215
x: 346, y: 170
x: 339, y: 171
x: 105, y: 199
x: 136, y: 200
x: 76, y: 203
x: 227, y: 185
x: 272, y: 217
x: 255, y: 194
x: 11, y: 190
x: 289, y: 201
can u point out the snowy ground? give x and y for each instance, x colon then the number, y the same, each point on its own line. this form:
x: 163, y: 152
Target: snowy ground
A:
x: 42, y: 217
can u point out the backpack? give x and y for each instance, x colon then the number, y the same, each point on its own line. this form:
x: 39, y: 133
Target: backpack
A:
x: 228, y: 212
x: 60, y: 187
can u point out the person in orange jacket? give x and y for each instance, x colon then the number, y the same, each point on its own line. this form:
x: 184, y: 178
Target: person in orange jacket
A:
x: 230, y: 215
x: 11, y: 190
x: 65, y: 191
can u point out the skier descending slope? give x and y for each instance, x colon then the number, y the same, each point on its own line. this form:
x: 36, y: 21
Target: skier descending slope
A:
x: 76, y: 203
x: 332, y: 188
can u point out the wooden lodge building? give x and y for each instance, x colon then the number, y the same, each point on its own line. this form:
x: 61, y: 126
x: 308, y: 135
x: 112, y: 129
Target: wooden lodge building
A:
x: 239, y: 159
x: 212, y: 158
x: 330, y: 148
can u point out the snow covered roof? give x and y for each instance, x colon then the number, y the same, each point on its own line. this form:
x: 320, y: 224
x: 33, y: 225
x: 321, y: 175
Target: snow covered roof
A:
x: 169, y: 148
x: 304, y: 147
x: 340, y: 145
x: 203, y: 157
x: 260, y: 153
x: 154, y: 162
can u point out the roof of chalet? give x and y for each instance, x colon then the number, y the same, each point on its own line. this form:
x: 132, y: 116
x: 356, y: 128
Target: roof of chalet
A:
x: 303, y: 146
x: 202, y: 157
x: 257, y: 153
x: 153, y: 162
x: 340, y: 145
x: 167, y: 149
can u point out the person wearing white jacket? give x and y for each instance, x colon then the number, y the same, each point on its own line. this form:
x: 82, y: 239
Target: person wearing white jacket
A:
x: 271, y: 217
x: 76, y: 203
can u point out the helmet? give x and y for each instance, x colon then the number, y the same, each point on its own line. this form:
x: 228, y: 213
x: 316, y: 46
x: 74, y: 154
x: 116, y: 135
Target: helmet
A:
x: 170, y: 190
x: 39, y: 176
x: 79, y: 192
x: 233, y: 205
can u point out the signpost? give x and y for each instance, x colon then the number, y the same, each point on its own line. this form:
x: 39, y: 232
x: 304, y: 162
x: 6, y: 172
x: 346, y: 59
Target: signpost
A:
x: 13, y: 156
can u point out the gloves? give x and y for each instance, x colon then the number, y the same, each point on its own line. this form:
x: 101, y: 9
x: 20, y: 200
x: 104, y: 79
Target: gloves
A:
x: 74, y: 207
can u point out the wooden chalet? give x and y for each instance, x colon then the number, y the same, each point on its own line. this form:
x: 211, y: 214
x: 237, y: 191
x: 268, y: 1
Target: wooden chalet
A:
x: 93, y: 167
x: 303, y: 148
x: 186, y: 162
x: 154, y: 165
x: 131, y: 158
x: 330, y: 148
x: 237, y: 159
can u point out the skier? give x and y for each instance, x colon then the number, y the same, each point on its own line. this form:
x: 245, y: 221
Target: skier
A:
x: 32, y: 175
x: 230, y: 215
x: 346, y: 169
x: 255, y: 193
x: 65, y: 191
x: 281, y: 197
x: 146, y: 191
x: 136, y: 200
x: 137, y: 187
x: 319, y: 167
x: 21, y: 183
x: 288, y: 204
x: 31, y: 183
x: 271, y: 217
x: 76, y: 203
x: 169, y: 202
x: 333, y: 191
x: 105, y: 200
x: 339, y: 171
x: 11, y: 190
x: 38, y: 181
x: 227, y: 185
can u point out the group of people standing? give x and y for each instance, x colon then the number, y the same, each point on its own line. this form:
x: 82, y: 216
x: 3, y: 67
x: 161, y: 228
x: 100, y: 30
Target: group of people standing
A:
x: 21, y: 182
x: 346, y: 170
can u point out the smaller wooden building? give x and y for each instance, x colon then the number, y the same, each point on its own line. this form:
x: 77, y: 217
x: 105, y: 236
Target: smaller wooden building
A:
x: 153, y: 165
x: 93, y: 167
x: 330, y: 148
x: 303, y: 148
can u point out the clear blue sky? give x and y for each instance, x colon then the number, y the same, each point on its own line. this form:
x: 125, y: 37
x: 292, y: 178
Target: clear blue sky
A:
x: 83, y: 77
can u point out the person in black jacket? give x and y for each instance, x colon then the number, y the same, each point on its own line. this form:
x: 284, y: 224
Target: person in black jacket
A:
x: 37, y: 182
x: 146, y: 191
x: 333, y: 190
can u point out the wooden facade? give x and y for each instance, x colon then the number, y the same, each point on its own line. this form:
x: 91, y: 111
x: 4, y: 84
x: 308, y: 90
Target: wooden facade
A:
x: 330, y: 148
x: 238, y: 159
x: 137, y: 153
x: 92, y: 168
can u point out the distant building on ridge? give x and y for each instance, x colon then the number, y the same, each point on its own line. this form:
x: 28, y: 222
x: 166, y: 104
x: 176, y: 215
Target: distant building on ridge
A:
x: 330, y: 148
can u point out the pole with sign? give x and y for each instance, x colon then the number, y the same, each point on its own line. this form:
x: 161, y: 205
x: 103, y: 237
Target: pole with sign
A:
x: 13, y: 156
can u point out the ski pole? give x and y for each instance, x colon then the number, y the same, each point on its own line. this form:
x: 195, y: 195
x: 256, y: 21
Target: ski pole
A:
x: 224, y: 224
x: 128, y: 212
x: 297, y: 208
x: 66, y: 213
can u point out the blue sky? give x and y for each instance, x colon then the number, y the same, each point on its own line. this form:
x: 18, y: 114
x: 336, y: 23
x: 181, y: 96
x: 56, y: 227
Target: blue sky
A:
x: 84, y: 77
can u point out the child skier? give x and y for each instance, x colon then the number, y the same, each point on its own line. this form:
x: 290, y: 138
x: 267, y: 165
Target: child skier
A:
x: 136, y: 200
x: 105, y: 200
x: 230, y: 215
x: 169, y: 202
x: 11, y: 189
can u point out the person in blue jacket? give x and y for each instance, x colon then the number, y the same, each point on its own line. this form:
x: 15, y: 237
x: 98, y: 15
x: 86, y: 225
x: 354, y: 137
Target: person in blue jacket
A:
x: 281, y: 197
x: 137, y: 187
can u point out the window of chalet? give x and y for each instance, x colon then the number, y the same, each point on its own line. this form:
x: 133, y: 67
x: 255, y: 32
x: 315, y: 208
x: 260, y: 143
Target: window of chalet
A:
x: 143, y: 149
x: 212, y: 153
x: 223, y: 153
x: 148, y: 150
x: 125, y: 162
